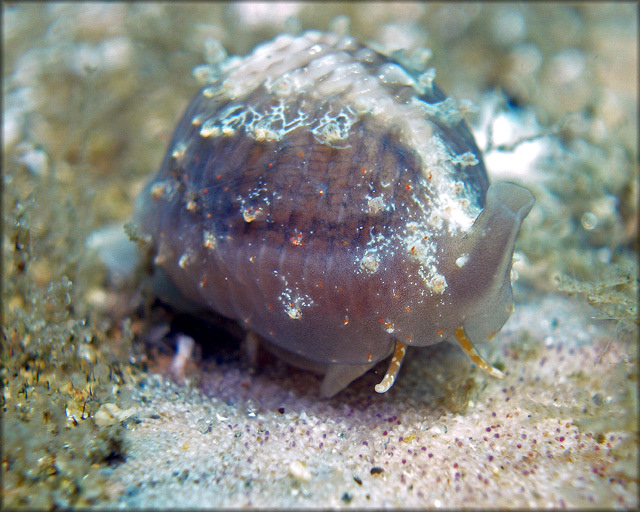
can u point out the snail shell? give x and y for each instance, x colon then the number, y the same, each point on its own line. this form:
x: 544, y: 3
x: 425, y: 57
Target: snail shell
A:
x: 334, y: 203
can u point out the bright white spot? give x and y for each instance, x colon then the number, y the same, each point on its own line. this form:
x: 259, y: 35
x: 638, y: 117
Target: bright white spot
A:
x: 375, y: 205
x: 255, y: 14
x: 567, y: 65
x: 179, y: 151
x: 116, y: 251
x: 293, y: 312
x: 437, y: 283
x: 208, y: 239
x: 250, y: 214
x: 370, y: 262
x: 182, y: 355
x: 11, y: 127
x: 35, y: 160
x: 208, y: 129
x: 462, y: 260
x: 186, y: 259
x: 299, y: 472
x: 116, y: 53
x: 391, y: 73
x: 403, y: 35
x: 510, y: 126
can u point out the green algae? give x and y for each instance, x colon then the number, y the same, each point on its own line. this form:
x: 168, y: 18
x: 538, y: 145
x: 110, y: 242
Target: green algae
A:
x: 613, y: 292
x: 57, y: 367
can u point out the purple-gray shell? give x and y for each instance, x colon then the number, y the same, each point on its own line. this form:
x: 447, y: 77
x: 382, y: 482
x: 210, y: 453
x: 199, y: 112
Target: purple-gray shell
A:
x: 335, y: 204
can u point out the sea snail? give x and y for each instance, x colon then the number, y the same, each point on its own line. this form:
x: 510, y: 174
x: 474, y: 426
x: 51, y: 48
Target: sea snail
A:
x: 334, y: 203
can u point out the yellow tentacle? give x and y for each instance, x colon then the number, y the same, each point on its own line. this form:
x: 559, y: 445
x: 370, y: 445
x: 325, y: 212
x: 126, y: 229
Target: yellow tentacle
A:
x: 394, y: 368
x: 469, y: 349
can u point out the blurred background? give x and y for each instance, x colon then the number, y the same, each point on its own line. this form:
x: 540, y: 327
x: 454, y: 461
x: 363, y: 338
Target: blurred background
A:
x: 92, y: 91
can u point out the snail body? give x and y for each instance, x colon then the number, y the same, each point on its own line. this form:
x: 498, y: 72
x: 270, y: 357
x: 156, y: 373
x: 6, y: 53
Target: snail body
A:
x: 335, y: 204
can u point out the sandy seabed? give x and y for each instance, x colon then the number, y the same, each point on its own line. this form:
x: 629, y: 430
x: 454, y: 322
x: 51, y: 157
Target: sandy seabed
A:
x: 91, y: 92
x: 558, y: 431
